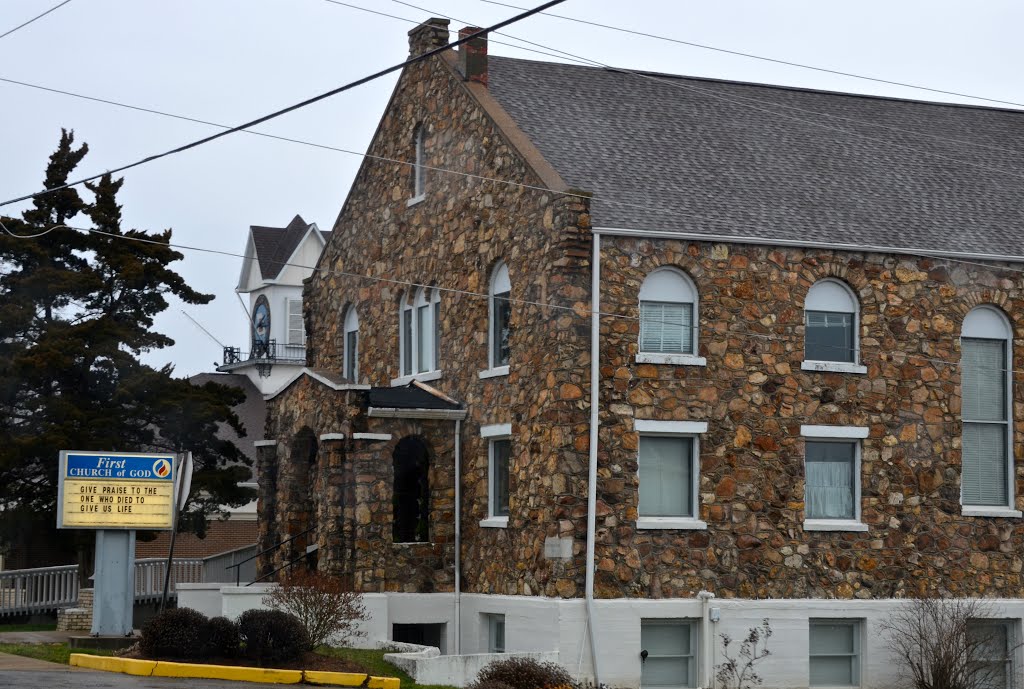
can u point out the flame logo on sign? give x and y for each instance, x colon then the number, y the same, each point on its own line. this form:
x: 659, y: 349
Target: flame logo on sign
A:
x: 162, y: 468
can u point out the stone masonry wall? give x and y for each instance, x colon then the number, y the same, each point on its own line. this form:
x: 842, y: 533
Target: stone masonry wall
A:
x: 78, y: 618
x: 754, y: 396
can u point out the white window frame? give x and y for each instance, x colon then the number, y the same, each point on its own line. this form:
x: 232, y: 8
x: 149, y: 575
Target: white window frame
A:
x: 822, y: 296
x: 673, y: 429
x: 289, y: 303
x: 492, y: 620
x: 843, y: 434
x: 858, y: 645
x: 350, y: 359
x: 419, y: 172
x: 500, y: 284
x: 490, y: 433
x: 673, y: 286
x: 694, y: 652
x: 1013, y: 647
x: 430, y: 299
x: 986, y: 322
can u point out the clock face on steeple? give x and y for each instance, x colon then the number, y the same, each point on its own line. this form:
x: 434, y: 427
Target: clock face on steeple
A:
x: 261, y: 323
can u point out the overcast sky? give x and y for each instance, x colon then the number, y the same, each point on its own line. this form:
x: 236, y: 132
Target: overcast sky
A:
x: 229, y: 61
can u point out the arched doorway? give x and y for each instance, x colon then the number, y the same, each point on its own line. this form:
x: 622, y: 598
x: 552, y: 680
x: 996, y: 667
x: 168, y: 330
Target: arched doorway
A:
x: 411, y: 491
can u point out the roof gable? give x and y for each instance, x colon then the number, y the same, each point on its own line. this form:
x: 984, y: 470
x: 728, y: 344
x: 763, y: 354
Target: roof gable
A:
x: 274, y: 246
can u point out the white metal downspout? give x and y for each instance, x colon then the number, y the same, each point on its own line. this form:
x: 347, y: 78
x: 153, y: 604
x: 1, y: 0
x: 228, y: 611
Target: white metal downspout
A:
x: 707, y: 639
x: 595, y: 332
x: 458, y: 536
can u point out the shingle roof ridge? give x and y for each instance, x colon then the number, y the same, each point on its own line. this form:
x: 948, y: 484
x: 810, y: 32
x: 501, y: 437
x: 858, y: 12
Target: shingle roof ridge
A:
x: 759, y: 84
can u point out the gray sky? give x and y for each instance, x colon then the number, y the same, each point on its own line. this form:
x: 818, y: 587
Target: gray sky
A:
x: 229, y: 61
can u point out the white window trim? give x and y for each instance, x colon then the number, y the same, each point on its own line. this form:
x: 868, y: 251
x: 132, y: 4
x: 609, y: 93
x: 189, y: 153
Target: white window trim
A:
x: 694, y: 318
x: 838, y: 434
x: 672, y: 359
x: 836, y: 366
x: 494, y: 522
x: 490, y: 433
x: 859, y: 642
x: 496, y: 430
x: 419, y: 173
x: 288, y: 322
x: 832, y: 366
x: 983, y: 328
x: 350, y: 315
x: 493, y: 372
x: 491, y: 292
x: 415, y: 200
x: 422, y: 377
x: 679, y: 429
x: 490, y: 621
x: 695, y: 652
x: 423, y: 297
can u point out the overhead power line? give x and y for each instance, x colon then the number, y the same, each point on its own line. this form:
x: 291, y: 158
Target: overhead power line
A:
x: 763, y: 58
x: 296, y: 106
x: 35, y: 18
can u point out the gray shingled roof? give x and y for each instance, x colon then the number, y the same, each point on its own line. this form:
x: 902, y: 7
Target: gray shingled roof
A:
x: 693, y: 156
x: 274, y: 245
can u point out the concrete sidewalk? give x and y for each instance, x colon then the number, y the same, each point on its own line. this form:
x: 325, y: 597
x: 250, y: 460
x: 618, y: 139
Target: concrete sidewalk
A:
x: 36, y: 637
x: 21, y: 663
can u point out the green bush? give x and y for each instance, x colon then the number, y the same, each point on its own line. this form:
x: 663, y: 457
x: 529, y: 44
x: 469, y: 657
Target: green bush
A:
x: 222, y: 638
x: 177, y: 633
x: 271, y: 635
x: 522, y: 673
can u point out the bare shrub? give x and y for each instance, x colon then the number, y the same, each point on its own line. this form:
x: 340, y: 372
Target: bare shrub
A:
x: 324, y: 606
x: 522, y: 673
x: 949, y: 643
x: 737, y: 672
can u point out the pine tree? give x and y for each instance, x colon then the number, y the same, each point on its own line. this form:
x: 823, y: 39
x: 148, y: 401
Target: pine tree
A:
x: 76, y: 312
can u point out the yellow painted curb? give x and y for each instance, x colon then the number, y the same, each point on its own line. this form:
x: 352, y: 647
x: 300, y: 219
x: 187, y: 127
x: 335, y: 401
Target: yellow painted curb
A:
x: 128, y: 666
x: 166, y: 668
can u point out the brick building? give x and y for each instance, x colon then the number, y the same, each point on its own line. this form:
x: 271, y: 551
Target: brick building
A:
x: 808, y: 313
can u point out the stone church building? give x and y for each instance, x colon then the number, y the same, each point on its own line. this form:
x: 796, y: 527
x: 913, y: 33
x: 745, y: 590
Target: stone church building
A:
x: 605, y: 364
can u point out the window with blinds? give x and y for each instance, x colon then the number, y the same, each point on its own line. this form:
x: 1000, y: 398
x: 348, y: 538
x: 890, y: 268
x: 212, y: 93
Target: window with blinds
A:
x: 671, y: 647
x: 667, y: 481
x: 296, y: 331
x: 829, y: 484
x: 983, y: 385
x: 666, y: 327
x: 829, y: 336
x: 835, y: 653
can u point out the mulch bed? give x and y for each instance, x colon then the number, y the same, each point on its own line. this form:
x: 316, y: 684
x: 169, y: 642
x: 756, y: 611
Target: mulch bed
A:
x: 308, y: 661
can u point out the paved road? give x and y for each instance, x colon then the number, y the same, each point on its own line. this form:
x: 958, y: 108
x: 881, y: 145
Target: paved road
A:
x: 73, y: 678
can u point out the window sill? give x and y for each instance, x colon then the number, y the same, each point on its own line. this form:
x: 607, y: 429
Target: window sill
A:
x: 834, y: 525
x: 494, y: 523
x: 422, y: 377
x: 990, y: 512
x: 681, y: 523
x: 495, y: 372
x: 672, y: 359
x: 415, y: 200
x: 833, y: 367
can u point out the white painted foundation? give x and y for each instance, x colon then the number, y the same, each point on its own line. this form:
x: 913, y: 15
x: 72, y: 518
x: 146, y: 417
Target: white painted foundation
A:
x: 556, y: 629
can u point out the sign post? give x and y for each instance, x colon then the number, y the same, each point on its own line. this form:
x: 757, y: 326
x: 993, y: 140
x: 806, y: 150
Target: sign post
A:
x: 115, y: 493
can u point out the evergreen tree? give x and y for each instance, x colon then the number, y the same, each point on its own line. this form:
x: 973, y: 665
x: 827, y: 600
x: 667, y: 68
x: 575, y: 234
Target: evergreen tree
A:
x: 76, y: 312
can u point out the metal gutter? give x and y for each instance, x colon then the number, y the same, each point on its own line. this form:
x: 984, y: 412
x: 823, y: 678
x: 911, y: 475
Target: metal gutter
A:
x: 804, y: 244
x: 595, y: 332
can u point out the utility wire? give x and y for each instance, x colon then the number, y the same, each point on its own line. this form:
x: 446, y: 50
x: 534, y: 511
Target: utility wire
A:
x: 35, y: 18
x: 200, y: 326
x: 765, y: 59
x: 296, y: 106
x: 482, y: 295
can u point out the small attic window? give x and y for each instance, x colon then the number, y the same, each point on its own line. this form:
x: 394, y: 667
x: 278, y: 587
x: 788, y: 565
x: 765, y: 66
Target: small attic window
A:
x: 419, y: 173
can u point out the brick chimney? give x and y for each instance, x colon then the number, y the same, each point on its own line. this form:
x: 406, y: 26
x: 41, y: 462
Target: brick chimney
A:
x: 431, y: 34
x: 473, y: 56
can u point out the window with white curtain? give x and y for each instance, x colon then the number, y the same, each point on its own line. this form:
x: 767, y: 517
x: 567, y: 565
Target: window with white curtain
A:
x: 829, y: 484
x: 420, y: 337
x: 671, y: 658
x: 835, y: 653
x: 500, y: 313
x: 351, y: 353
x: 296, y: 330
x: 668, y: 486
x: 985, y: 409
x: 831, y: 320
x: 668, y: 313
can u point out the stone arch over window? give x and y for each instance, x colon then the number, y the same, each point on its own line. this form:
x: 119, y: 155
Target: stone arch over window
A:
x: 350, y: 344
x: 419, y: 172
x: 411, y: 491
x: 669, y: 311
x: 499, y: 316
x: 419, y: 331
x: 832, y: 323
x: 986, y: 355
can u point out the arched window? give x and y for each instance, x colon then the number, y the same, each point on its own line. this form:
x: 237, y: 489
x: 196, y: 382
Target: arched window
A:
x: 985, y: 352
x: 351, y: 344
x: 420, y: 340
x: 831, y: 319
x: 500, y: 314
x: 419, y: 172
x: 668, y: 313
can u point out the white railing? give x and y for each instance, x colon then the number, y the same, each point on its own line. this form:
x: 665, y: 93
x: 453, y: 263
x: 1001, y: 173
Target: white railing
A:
x: 149, y: 576
x: 38, y: 590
